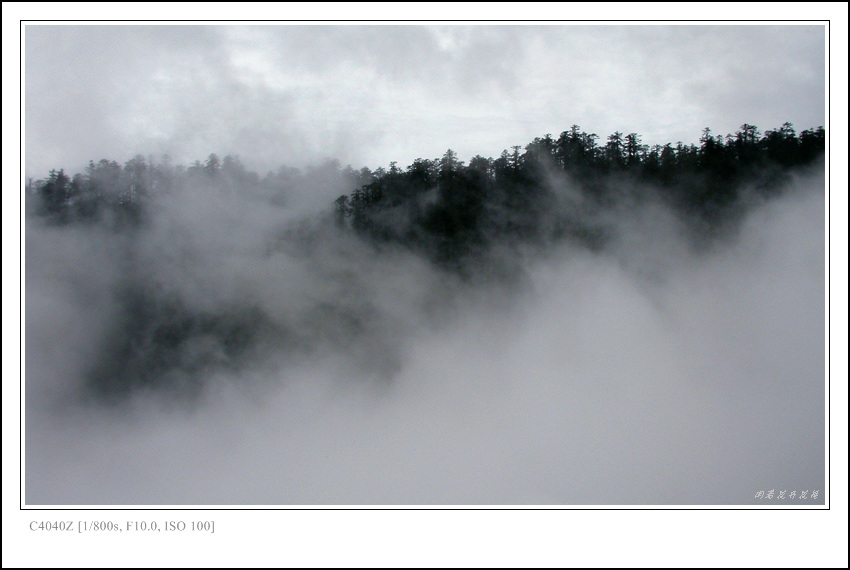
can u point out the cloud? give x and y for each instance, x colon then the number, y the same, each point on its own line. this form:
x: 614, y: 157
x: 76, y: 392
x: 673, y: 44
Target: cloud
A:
x: 368, y: 95
x: 652, y: 372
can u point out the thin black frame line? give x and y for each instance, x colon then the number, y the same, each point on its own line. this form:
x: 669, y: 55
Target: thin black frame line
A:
x: 22, y: 507
x: 425, y: 22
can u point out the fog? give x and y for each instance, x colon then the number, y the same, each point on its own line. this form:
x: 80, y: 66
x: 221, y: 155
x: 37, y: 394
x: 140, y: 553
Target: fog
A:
x: 322, y: 369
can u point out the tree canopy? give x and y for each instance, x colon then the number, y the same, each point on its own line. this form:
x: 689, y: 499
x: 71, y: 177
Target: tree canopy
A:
x: 454, y: 211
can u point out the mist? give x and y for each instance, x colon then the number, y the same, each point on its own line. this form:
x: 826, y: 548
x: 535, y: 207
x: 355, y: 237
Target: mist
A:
x: 238, y: 348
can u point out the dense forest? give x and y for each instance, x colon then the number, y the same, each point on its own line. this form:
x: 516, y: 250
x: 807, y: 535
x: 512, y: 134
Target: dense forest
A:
x: 455, y: 211
x: 452, y: 210
x: 463, y: 219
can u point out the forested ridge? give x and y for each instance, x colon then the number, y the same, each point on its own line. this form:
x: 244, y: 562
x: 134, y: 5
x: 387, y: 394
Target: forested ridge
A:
x: 468, y: 221
x: 451, y: 209
x: 454, y: 210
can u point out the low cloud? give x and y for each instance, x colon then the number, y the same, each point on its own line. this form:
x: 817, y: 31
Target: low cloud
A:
x: 309, y: 367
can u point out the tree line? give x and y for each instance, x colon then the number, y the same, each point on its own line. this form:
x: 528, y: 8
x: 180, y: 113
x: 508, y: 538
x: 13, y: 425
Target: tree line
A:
x: 452, y: 210
x: 455, y: 211
x: 118, y: 194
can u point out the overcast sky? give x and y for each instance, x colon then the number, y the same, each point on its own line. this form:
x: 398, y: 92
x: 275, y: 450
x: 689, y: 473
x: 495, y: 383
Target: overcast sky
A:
x: 368, y: 95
